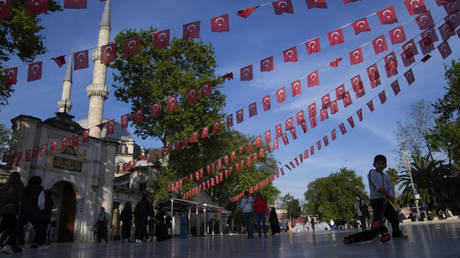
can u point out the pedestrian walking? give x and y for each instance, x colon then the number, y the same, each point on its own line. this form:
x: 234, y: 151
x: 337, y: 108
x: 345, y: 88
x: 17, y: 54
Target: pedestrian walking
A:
x: 332, y: 223
x: 10, y: 201
x: 261, y: 209
x: 101, y: 225
x: 362, y: 211
x: 274, y: 223
x: 126, y: 218
x: 246, y: 205
x: 142, y: 211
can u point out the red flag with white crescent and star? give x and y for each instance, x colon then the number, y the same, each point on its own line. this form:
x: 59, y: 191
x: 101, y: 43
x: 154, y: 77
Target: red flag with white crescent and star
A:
x: 75, y: 140
x: 395, y: 87
x: 155, y: 110
x: 34, y: 72
x: 361, y: 25
x: 43, y: 149
x: 387, y: 16
x: 131, y: 46
x: 391, y: 64
x: 204, y: 132
x: 360, y: 114
x: 397, y: 35
x: 80, y: 60
x: 192, y: 96
x: 108, y: 53
x: 267, y: 64
x: 64, y: 142
x: 316, y: 4
x: 54, y: 146
x: 313, y: 46
x: 415, y: 6
x: 278, y: 130
x: 229, y: 120
x: 300, y: 116
x: 252, y: 109
x: 289, y: 123
x: 424, y: 20
x: 139, y: 116
x: 11, y: 76
x: 161, y: 39
x: 268, y: 136
x: 379, y: 44
x: 220, y: 23
x: 172, y: 103
x: 85, y: 135
x: 333, y: 134
x: 245, y: 13
x: 110, y: 126
x: 340, y: 92
x: 266, y: 102
x: 75, y: 4
x: 335, y: 37
x: 382, y: 97
x: 334, y: 107
x: 282, y: 6
x: 374, y: 76
x: 313, y: 79
x: 5, y: 9
x: 290, y: 55
x: 216, y: 127
x: 356, y: 56
x: 35, y: 152
x: 59, y: 60
x: 342, y: 128
x: 191, y: 30
x: 239, y: 116
x: 409, y: 76
x: 351, y: 122
x: 325, y: 140
x: 296, y: 88
x: 246, y: 73
x: 370, y: 104
x: 281, y: 95
x: 36, y: 7
x: 347, y: 99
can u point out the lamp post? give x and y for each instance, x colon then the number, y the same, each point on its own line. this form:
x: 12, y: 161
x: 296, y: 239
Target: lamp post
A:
x: 406, y: 161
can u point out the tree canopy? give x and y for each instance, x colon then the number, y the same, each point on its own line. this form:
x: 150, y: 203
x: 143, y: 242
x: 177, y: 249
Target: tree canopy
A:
x: 333, y: 197
x: 19, y: 36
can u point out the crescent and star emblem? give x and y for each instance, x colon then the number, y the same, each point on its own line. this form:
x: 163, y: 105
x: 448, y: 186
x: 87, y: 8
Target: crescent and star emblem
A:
x: 388, y: 14
x: 220, y: 21
x: 35, y: 68
x: 282, y: 4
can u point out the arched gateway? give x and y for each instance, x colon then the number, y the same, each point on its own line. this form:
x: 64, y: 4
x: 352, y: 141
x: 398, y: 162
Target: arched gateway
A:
x: 65, y: 199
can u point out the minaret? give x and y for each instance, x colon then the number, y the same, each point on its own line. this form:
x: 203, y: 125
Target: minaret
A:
x: 97, y: 91
x: 64, y: 105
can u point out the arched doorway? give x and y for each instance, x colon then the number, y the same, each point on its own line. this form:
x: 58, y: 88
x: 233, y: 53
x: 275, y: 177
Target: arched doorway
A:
x: 65, y: 199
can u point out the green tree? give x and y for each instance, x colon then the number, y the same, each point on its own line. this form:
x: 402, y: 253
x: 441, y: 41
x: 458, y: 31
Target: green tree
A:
x: 291, y: 204
x: 5, y: 138
x: 333, y: 197
x: 19, y: 36
x: 445, y: 136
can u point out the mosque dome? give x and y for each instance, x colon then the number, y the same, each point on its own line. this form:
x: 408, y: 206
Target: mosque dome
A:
x: 119, y: 133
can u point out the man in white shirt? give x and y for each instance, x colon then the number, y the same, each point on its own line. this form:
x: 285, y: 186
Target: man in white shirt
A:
x: 381, y: 191
x: 246, y: 205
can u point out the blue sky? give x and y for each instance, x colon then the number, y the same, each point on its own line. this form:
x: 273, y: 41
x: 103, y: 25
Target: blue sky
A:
x: 261, y: 35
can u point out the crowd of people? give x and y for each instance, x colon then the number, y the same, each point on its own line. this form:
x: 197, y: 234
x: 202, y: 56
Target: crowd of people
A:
x: 20, y: 206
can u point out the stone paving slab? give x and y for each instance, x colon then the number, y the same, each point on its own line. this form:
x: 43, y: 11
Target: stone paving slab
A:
x: 425, y: 240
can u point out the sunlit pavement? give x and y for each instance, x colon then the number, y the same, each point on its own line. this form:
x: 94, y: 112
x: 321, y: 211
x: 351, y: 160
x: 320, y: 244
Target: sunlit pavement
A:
x: 424, y: 240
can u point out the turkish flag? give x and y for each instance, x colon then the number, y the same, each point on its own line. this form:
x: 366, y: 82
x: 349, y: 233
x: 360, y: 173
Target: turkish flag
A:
x: 334, y: 107
x: 313, y: 46
x: 391, y: 64
x: 351, y: 122
x: 446, y: 31
x: 139, y: 116
x: 290, y: 55
x: 75, y: 4
x: 387, y: 16
x: 80, y: 60
x: 361, y: 25
x: 248, y: 160
x: 410, y: 49
x: 451, y: 6
x: 17, y: 157
x: 229, y: 119
x: 444, y: 49
x: 415, y: 6
x: 360, y: 114
x: 246, y: 73
x: 74, y: 140
x: 342, y: 128
x: 185, y: 141
x: 191, y: 30
x: 313, y: 79
x: 282, y: 6
x: 220, y: 23
x: 261, y: 153
x: 379, y: 44
x: 110, y: 126
x: 275, y: 144
x: 36, y: 6
x: 428, y: 35
x: 318, y: 144
x: 28, y: 155
x: 335, y: 37
x: 424, y: 20
x: 382, y: 97
x: 356, y: 83
x: 54, y: 146
x: 249, y: 147
x: 204, y: 132
x: 397, y: 35
x: 156, y: 154
x: 296, y: 88
x: 409, y: 76
x: 266, y: 64
x: 285, y: 139
x: 161, y: 38
x: 335, y: 63
x: 64, y: 142
x: 60, y: 60
x: 11, y: 76
x: 347, y: 99
x: 278, y: 130
x: 316, y: 4
x: 34, y: 71
x: 312, y: 150
x: 303, y: 124
x: 453, y: 20
x: 326, y: 101
x: 266, y: 103
x: 313, y: 122
x: 268, y: 136
x: 5, y: 9
x: 131, y: 46
x: 408, y: 58
x: 301, y: 158
x: 43, y: 150
x: 282, y: 171
x: 192, y: 96
x: 374, y: 76
x: 228, y: 76
x: 300, y: 117
x: 281, y: 95
x: 246, y: 12
x: 232, y: 156
x: 325, y: 140
x: 239, y: 116
x: 312, y: 110
x: 155, y: 109
x: 323, y: 114
x: 340, y: 92
x: 356, y: 56
x: 216, y: 127
x: 85, y: 135
x: 395, y: 87
x: 206, y: 90
x: 219, y: 164
x: 226, y: 161
x: 252, y: 109
x: 108, y: 53
x: 172, y: 103
x: 194, y: 137
x: 333, y: 135
x: 289, y: 123
x: 35, y: 152
x: 426, y: 45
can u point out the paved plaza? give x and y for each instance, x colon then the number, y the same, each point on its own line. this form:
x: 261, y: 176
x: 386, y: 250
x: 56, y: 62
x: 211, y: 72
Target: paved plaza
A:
x: 425, y: 240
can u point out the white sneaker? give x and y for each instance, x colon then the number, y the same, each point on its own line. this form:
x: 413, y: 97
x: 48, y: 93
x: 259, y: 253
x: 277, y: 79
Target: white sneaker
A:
x: 6, y: 250
x: 138, y: 241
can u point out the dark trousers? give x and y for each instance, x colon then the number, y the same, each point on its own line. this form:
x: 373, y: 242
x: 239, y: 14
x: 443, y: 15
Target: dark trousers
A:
x: 363, y: 222
x: 40, y: 236
x: 249, y: 220
x: 389, y: 213
x: 126, y: 230
x: 141, y: 228
x: 9, y: 224
x: 101, y: 231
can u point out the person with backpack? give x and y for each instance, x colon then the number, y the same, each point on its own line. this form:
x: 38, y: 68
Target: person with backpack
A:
x: 10, y: 202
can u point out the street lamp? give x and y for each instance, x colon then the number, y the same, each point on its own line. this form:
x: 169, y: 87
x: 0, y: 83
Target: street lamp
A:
x: 406, y: 161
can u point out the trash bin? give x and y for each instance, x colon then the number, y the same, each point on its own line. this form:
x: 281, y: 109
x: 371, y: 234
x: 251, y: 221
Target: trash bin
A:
x: 183, y: 227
